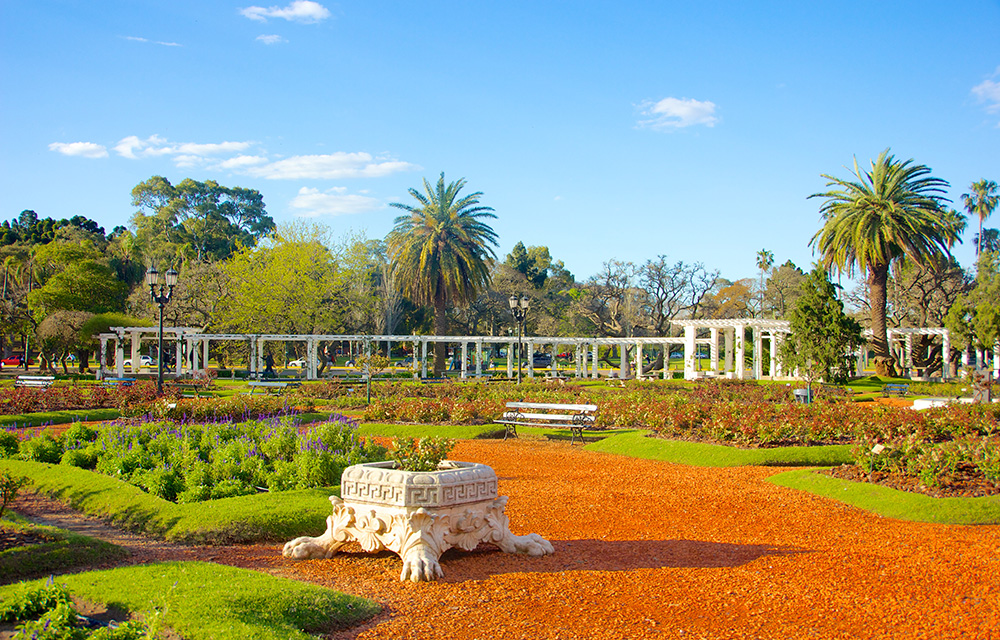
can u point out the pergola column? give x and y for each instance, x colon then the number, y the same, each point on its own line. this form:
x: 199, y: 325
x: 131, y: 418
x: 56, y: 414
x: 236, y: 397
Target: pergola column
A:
x: 622, y: 360
x: 729, y: 336
x: 772, y: 361
x: 945, y: 357
x: 423, y: 357
x: 120, y: 356
x: 510, y: 359
x: 758, y: 353
x: 713, y: 349
x: 134, y: 335
x: 908, y: 352
x: 996, y: 359
x: 479, y: 358
x: 100, y: 364
x: 740, y: 334
x: 689, y: 352
x: 638, y: 361
x: 531, y: 359
x: 593, y: 361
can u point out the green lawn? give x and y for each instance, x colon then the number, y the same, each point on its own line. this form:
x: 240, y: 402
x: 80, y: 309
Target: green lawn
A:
x: 203, y: 601
x: 60, y: 550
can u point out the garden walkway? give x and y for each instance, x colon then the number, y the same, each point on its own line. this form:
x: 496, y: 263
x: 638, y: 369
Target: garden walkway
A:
x: 647, y: 549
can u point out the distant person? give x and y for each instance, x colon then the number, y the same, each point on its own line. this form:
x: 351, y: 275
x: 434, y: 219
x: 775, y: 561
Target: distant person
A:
x: 269, y: 366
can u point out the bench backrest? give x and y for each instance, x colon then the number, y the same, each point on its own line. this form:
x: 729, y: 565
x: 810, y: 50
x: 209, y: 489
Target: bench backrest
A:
x: 36, y: 378
x: 552, y: 407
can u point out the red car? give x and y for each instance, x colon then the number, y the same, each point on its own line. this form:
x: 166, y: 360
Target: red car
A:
x: 15, y: 361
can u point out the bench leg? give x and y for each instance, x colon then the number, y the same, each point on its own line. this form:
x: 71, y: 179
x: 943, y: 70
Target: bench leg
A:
x: 577, y: 432
x: 511, y: 431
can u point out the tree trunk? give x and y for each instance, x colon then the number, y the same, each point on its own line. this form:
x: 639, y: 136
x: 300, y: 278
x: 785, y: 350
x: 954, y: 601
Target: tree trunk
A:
x: 440, y: 329
x: 885, y: 364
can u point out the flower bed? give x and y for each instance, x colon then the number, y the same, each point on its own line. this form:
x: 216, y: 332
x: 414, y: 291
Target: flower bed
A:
x: 189, y: 462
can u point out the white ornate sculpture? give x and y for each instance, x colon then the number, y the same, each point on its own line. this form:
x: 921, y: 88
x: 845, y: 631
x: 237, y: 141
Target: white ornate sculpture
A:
x: 417, y: 515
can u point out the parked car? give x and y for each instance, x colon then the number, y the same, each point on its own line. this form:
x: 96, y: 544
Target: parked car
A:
x: 15, y: 361
x: 541, y: 360
x: 144, y: 361
x: 297, y: 364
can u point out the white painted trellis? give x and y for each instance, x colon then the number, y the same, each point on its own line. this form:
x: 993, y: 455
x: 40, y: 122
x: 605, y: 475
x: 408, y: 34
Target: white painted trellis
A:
x: 585, y: 350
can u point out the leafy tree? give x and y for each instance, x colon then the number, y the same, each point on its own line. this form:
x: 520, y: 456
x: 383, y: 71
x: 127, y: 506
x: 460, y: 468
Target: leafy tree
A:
x: 783, y: 288
x: 440, y: 250
x: 203, y: 221
x: 287, y: 284
x: 975, y: 318
x: 895, y: 209
x: 822, y: 336
x: 731, y: 299
x: 981, y: 201
x: 59, y: 335
x: 669, y: 290
x: 532, y: 262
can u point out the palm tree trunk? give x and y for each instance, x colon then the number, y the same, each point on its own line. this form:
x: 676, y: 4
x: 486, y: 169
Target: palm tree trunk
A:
x: 878, y: 277
x: 440, y: 329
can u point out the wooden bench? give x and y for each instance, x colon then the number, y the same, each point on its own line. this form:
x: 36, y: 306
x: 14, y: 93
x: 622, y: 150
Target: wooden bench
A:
x: 119, y: 382
x: 895, y: 390
x: 434, y: 380
x: 271, y: 386
x: 189, y: 387
x: 536, y: 414
x: 35, y: 382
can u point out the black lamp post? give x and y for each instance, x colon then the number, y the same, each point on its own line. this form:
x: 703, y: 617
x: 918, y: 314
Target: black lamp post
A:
x: 161, y: 298
x: 519, y: 309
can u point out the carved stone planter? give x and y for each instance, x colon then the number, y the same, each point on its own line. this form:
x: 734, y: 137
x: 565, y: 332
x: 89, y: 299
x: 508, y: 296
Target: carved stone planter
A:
x: 418, y: 515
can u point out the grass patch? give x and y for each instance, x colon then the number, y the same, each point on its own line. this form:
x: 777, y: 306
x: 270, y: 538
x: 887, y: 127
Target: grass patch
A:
x: 263, y: 517
x: 891, y: 503
x: 201, y: 601
x: 68, y: 416
x: 59, y: 550
x: 637, y: 445
x: 457, y: 431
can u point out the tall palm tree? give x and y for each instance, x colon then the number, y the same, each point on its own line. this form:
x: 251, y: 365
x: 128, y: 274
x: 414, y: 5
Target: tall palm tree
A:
x: 892, y: 210
x: 440, y: 250
x: 981, y: 202
x: 765, y: 260
x: 988, y: 240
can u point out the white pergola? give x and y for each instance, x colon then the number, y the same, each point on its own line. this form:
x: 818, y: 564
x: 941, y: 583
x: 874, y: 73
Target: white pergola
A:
x: 195, y: 344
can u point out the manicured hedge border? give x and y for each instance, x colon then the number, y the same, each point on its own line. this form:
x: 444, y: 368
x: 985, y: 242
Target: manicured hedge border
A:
x: 270, y: 517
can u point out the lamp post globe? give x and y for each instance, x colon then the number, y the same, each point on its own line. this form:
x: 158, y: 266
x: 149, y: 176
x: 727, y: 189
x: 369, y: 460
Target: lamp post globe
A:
x: 519, y: 309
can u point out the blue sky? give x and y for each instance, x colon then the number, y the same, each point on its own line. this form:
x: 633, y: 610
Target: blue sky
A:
x: 602, y: 130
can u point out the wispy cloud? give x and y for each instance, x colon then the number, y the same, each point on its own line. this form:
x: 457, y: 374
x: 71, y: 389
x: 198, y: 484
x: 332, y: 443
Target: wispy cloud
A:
x: 676, y: 113
x: 988, y: 92
x: 81, y: 149
x: 333, y: 166
x: 311, y: 203
x: 304, y: 11
x: 237, y: 157
x: 185, y: 152
x: 164, y: 44
x: 272, y: 39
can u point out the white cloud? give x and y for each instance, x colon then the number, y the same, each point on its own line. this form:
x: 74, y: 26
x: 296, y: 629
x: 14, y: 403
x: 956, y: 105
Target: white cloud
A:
x: 334, y: 166
x: 241, y: 162
x: 311, y: 203
x: 165, y: 44
x: 676, y: 113
x: 82, y: 149
x: 305, y: 11
x: 185, y: 153
x: 271, y: 39
x: 988, y: 92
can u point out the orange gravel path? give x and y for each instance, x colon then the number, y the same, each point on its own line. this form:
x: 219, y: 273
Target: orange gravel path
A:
x: 649, y: 549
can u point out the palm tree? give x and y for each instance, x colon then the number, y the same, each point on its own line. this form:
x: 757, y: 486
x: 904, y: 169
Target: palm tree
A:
x: 893, y: 210
x: 765, y: 260
x: 988, y: 240
x: 440, y: 250
x: 982, y: 201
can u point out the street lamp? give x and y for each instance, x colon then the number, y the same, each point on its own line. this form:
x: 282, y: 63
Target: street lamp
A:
x: 160, y: 298
x: 519, y: 309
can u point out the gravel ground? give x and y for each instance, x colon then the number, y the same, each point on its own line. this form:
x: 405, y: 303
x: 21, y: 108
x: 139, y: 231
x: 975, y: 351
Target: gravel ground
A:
x: 648, y: 549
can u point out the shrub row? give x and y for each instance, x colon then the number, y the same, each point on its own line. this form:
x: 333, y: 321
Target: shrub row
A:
x: 194, y: 462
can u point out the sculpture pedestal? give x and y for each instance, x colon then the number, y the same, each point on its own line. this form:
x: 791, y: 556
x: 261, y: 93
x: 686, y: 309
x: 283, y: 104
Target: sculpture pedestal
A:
x: 417, y: 515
